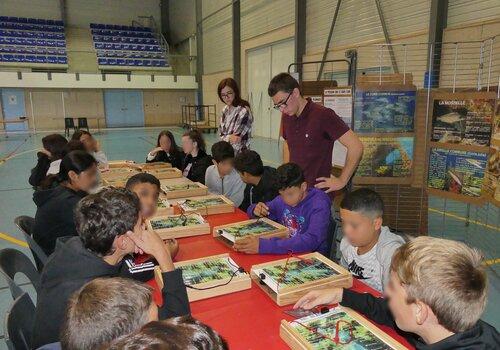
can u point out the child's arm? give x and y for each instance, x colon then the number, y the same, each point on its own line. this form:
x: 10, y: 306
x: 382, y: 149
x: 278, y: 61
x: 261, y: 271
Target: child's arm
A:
x: 272, y: 209
x: 175, y: 299
x: 306, y: 241
x: 174, y: 292
x: 375, y: 309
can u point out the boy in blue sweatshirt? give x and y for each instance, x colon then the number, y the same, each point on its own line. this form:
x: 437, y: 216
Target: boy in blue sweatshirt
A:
x: 304, y: 211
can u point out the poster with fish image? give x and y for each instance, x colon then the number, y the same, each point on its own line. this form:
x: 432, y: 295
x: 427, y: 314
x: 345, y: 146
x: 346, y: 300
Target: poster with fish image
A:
x: 384, y: 111
x: 491, y: 187
x: 495, y: 137
x: 463, y: 121
x: 458, y: 172
x: 386, y: 157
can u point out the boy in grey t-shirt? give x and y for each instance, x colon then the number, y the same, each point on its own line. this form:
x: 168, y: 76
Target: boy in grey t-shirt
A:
x: 222, y: 178
x: 367, y: 246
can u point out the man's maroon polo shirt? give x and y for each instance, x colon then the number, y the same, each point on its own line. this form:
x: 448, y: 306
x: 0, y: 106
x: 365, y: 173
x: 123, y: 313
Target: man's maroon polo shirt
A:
x: 310, y: 138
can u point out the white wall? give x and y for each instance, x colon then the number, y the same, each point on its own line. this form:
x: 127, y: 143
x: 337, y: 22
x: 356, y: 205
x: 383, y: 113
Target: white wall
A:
x: 358, y: 21
x: 217, y: 36
x: 82, y: 12
x: 262, y: 16
x: 462, y: 12
x: 94, y: 81
x: 182, y: 18
x: 48, y: 9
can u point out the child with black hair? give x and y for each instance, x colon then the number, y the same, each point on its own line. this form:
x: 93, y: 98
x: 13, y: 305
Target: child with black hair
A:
x: 367, y: 247
x: 49, y: 159
x: 304, y: 211
x: 109, y: 229
x: 221, y: 177
x: 166, y: 150
x: 147, y: 188
x: 196, y: 160
x: 261, y: 181
x: 54, y: 214
x: 92, y: 146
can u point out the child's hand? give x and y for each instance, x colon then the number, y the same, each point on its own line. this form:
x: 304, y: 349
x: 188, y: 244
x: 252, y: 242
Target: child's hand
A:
x: 261, y: 210
x: 249, y: 245
x: 47, y: 153
x: 155, y: 150
x: 320, y: 297
x: 173, y: 247
x: 150, y: 243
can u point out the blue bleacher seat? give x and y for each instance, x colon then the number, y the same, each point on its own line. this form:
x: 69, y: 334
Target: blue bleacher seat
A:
x: 32, y: 40
x: 126, y: 45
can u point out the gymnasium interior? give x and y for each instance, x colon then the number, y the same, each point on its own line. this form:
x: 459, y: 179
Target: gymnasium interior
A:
x: 127, y: 69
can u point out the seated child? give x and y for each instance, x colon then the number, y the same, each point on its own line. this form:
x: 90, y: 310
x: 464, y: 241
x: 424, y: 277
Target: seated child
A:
x: 54, y: 214
x: 261, y: 181
x: 176, y: 333
x: 109, y: 229
x: 221, y: 177
x: 49, y: 160
x: 437, y: 291
x: 196, y: 160
x: 306, y: 213
x: 147, y: 188
x: 166, y: 150
x: 367, y: 246
x: 104, y: 310
x: 92, y: 146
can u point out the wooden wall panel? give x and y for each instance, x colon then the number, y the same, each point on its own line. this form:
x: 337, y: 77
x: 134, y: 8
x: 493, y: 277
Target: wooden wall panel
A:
x: 85, y: 103
x: 405, y: 207
x: 47, y: 105
x: 163, y: 107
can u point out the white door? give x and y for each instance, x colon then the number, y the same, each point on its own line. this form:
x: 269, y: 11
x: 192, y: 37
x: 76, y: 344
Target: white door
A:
x: 259, y: 71
x: 282, y: 55
x: 263, y: 64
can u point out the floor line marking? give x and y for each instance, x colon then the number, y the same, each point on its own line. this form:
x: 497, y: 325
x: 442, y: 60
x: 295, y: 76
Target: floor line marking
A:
x: 11, y: 239
x: 464, y: 219
x: 492, y: 262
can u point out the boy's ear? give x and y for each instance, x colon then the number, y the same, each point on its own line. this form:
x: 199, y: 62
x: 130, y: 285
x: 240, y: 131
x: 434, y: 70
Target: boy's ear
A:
x: 72, y: 175
x: 421, y: 312
x: 378, y: 223
x: 214, y: 162
x: 303, y: 186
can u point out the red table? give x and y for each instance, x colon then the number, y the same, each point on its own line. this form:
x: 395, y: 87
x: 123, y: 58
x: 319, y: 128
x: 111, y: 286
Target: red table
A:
x: 248, y: 319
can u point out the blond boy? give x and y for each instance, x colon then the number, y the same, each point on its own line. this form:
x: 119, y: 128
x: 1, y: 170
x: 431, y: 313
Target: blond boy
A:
x: 437, y: 291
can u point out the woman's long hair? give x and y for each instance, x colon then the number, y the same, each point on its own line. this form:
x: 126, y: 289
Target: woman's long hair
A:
x: 173, y: 146
x: 56, y: 145
x: 238, y: 101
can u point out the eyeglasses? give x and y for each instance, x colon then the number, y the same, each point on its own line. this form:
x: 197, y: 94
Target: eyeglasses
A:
x: 282, y: 104
x: 229, y: 94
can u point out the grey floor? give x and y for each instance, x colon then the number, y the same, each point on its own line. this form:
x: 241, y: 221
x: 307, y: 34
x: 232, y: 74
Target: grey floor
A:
x: 446, y: 218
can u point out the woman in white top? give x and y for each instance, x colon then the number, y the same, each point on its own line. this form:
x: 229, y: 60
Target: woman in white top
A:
x: 236, y: 119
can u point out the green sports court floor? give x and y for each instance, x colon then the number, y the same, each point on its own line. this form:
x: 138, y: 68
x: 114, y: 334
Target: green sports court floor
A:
x: 446, y: 218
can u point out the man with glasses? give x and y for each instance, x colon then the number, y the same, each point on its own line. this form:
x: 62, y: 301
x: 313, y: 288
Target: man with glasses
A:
x: 309, y: 131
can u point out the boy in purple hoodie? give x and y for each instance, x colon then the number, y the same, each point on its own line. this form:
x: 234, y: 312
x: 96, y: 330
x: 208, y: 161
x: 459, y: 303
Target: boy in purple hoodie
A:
x: 305, y: 211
